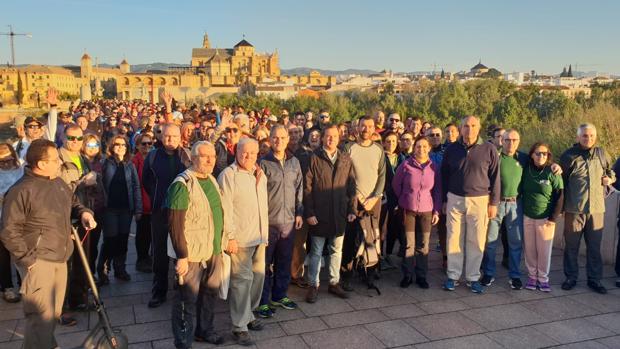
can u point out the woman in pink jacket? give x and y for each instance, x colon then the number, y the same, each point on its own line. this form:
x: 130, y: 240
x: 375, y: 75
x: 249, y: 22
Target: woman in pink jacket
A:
x: 417, y: 185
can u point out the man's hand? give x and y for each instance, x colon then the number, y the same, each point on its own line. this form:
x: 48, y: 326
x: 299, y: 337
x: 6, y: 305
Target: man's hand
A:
x: 88, y: 221
x: 435, y: 219
x: 232, y: 247
x: 166, y: 96
x: 556, y: 169
x: 299, y: 221
x: 90, y: 179
x: 312, y: 220
x: 182, y: 267
x: 370, y: 203
x: 52, y: 96
x: 351, y: 217
x: 492, y: 211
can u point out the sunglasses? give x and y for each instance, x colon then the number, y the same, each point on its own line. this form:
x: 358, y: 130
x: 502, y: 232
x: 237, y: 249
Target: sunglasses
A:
x: 120, y: 145
x: 75, y: 138
x: 541, y: 153
x: 229, y: 129
x: 92, y: 145
x: 147, y: 143
x: 394, y: 120
x: 324, y: 116
x: 34, y: 126
x: 435, y: 135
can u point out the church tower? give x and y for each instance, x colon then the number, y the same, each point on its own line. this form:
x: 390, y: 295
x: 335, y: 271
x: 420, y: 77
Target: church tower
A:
x: 86, y: 66
x: 205, y: 41
x: 125, y: 69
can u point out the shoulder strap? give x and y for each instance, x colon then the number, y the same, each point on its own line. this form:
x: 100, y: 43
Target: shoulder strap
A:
x: 600, y: 153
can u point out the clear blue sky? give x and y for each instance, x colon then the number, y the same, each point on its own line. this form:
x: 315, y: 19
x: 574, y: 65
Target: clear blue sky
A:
x: 338, y: 34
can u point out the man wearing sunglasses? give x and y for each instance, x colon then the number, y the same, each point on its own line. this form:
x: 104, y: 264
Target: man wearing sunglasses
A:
x: 34, y: 128
x: 225, y: 147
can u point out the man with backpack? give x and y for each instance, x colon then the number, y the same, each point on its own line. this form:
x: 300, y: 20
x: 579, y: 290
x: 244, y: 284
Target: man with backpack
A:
x: 586, y: 173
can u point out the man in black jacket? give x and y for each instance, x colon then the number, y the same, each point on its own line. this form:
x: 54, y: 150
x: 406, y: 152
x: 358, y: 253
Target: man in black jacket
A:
x: 36, y: 229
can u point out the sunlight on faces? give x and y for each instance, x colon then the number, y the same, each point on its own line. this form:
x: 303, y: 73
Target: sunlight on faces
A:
x: 82, y: 122
x: 50, y: 166
x: 295, y: 134
x: 247, y: 153
x: 171, y: 137
x: 540, y: 155
x: 470, y: 128
x: 366, y: 128
x: 331, y: 138
x: 232, y: 133
x: 72, y: 141
x: 452, y: 133
x: 279, y: 140
x: 390, y: 144
x: 510, y: 142
x: 33, y: 130
x: 406, y: 141
x: 421, y: 148
x: 119, y: 148
x: 434, y: 136
x: 314, y: 138
x: 587, y: 137
x: 204, y: 161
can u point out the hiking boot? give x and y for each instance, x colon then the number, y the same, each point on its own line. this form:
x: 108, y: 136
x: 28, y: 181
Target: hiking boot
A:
x: 312, y: 294
x: 10, y: 296
x: 243, y: 338
x: 299, y: 282
x: 256, y: 325
x: 531, y: 284
x: 487, y: 280
x: 405, y: 282
x: 569, y: 284
x: 450, y: 285
x: 544, y: 287
x: 337, y: 291
x: 515, y: 283
x: 476, y: 287
x: 285, y: 303
x: 264, y: 311
x: 422, y: 283
x: 597, y: 287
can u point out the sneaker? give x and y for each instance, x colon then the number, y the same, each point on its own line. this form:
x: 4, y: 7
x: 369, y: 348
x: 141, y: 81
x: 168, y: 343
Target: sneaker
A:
x: 487, y: 280
x: 531, y: 284
x: 597, y: 287
x: 515, y: 284
x: 256, y: 325
x: 285, y: 303
x: 243, y: 338
x: 10, y: 296
x: 544, y: 287
x: 450, y: 285
x: 569, y: 284
x: 264, y: 311
x: 337, y: 291
x: 312, y: 294
x: 476, y: 287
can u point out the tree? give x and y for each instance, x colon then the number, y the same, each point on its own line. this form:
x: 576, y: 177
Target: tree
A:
x: 19, y: 93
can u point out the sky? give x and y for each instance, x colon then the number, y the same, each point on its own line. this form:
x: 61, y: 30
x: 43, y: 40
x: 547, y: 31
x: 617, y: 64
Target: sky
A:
x: 403, y: 36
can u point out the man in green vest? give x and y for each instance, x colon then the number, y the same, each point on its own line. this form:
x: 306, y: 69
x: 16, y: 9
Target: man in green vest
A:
x: 196, y: 222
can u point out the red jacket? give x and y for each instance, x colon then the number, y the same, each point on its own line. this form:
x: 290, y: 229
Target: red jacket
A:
x: 138, y: 161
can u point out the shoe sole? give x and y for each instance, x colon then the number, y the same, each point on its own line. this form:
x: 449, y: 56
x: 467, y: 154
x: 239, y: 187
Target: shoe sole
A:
x: 287, y: 307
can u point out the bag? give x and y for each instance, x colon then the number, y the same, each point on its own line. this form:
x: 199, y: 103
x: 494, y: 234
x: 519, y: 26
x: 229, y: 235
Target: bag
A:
x: 225, y: 276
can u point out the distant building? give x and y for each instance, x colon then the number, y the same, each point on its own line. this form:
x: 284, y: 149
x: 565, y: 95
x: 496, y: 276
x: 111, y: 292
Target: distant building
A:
x: 478, y: 69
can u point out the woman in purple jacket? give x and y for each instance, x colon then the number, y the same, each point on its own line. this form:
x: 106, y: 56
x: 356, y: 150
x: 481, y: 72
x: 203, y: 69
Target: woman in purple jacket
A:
x: 417, y: 185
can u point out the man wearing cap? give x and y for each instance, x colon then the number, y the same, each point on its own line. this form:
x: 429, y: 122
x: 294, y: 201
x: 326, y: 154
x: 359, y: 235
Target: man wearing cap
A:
x: 34, y: 128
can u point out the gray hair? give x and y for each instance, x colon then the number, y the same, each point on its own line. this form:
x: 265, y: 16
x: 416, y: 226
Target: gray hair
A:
x: 510, y: 130
x: 167, y: 126
x: 244, y: 141
x: 584, y: 127
x: 469, y: 116
x: 277, y: 127
x: 199, y: 144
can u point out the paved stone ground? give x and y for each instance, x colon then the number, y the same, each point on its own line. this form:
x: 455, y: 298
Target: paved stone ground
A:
x: 408, y: 318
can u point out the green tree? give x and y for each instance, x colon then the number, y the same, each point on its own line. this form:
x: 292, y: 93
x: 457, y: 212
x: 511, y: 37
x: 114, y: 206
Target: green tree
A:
x: 19, y: 93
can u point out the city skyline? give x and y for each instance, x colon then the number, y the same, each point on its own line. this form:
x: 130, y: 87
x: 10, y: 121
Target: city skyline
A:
x: 396, y: 35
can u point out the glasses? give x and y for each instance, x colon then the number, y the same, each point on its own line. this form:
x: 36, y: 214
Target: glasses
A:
x: 394, y: 120
x: 75, y: 138
x: 33, y: 126
x: 147, y: 143
x: 324, y: 116
x: 229, y: 129
x: 435, y: 135
x: 92, y: 145
x: 541, y: 153
x: 123, y: 145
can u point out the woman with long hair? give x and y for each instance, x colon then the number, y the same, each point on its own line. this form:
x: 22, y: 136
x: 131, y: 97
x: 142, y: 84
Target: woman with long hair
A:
x: 123, y: 202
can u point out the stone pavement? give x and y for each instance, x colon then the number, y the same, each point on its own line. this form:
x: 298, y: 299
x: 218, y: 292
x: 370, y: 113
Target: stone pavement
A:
x: 408, y: 318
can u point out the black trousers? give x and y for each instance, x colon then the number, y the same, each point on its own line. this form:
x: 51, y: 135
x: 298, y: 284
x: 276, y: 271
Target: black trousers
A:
x: 161, y: 261
x: 6, y: 275
x: 391, y: 222
x: 143, y: 237
x: 78, y: 284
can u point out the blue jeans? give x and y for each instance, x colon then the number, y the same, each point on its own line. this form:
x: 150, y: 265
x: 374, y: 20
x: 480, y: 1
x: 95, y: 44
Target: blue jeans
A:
x: 334, y: 246
x: 278, y: 262
x: 511, y: 214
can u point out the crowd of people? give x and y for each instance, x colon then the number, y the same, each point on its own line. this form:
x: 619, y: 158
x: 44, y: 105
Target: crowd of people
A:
x: 246, y: 203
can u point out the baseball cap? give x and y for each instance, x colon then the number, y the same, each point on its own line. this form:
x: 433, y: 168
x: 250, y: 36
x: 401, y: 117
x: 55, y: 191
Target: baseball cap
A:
x: 32, y: 119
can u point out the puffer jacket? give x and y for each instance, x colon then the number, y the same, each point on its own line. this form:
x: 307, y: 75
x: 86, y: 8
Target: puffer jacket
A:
x: 418, y: 186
